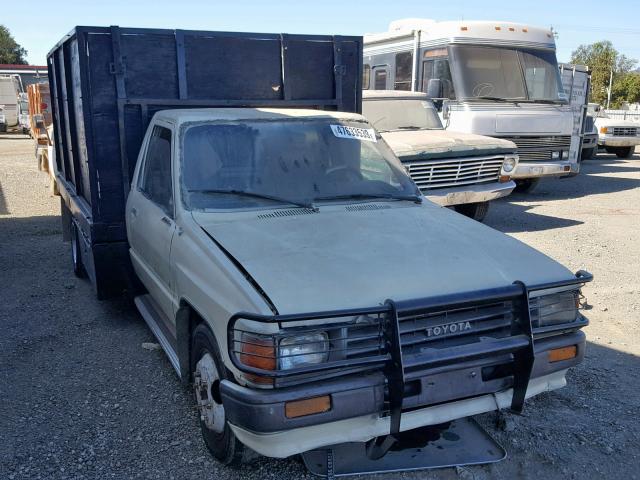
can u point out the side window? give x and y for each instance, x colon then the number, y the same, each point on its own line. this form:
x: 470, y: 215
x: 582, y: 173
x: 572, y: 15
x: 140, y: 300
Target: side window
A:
x: 438, y: 68
x: 366, y: 77
x: 380, y: 79
x: 155, y: 180
x: 404, y: 66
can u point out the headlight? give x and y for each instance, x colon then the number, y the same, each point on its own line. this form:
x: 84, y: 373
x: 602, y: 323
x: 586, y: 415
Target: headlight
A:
x: 554, y: 309
x: 303, y: 350
x: 509, y: 163
x: 565, y: 154
x: 555, y: 155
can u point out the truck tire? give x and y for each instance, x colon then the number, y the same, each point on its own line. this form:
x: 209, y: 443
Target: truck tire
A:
x: 477, y: 211
x: 76, y: 257
x: 588, y: 153
x: 207, y: 373
x: 526, y: 185
x: 623, y: 152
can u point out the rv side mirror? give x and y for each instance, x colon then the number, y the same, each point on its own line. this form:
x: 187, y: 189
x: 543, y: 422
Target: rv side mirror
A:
x: 445, y: 109
x: 434, y: 88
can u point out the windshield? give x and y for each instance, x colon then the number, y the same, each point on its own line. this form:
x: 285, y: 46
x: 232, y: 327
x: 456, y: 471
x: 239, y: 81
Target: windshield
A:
x: 263, y: 164
x: 507, y: 74
x: 401, y: 114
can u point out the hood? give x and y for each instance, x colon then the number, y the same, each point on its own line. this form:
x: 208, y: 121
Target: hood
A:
x: 359, y: 255
x: 408, y: 144
x: 615, y: 122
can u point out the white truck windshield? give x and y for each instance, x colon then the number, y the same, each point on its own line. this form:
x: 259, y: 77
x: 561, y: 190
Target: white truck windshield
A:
x: 261, y: 163
x: 506, y: 74
x: 401, y: 114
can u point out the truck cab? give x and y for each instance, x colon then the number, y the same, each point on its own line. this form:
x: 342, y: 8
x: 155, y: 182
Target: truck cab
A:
x: 276, y: 277
x: 461, y: 170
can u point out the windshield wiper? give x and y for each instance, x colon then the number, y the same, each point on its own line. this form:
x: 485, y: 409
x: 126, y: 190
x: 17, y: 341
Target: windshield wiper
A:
x: 410, y: 127
x: 548, y: 100
x: 266, y: 196
x: 497, y: 99
x: 358, y: 196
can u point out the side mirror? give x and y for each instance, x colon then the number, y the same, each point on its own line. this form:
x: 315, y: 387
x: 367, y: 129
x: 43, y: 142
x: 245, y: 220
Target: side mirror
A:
x: 445, y: 109
x: 434, y: 88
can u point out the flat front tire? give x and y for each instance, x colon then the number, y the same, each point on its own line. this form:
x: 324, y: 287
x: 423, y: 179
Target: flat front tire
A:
x: 207, y: 374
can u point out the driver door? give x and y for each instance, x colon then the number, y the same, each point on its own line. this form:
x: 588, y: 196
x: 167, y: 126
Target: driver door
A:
x: 150, y: 219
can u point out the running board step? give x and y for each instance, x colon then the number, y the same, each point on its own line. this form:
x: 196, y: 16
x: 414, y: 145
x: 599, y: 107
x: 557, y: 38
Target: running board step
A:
x: 462, y: 442
x: 154, y: 318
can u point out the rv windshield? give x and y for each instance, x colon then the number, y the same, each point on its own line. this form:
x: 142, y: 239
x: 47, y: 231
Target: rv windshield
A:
x: 262, y: 164
x: 497, y: 73
x: 401, y: 114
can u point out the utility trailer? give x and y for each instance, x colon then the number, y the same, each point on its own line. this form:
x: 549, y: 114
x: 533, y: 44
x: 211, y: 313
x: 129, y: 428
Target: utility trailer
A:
x: 107, y: 82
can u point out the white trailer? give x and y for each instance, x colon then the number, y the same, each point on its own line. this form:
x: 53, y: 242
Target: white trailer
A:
x: 499, y: 79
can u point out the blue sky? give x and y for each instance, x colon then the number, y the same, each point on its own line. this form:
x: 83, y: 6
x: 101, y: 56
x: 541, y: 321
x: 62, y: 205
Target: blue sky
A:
x: 580, y: 22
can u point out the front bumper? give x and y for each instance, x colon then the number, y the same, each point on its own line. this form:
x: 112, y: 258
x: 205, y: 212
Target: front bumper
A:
x: 544, y: 169
x: 258, y: 417
x: 590, y: 140
x: 470, y: 193
x: 617, y: 141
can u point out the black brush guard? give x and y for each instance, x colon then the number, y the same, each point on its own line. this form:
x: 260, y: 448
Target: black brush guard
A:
x: 389, y: 359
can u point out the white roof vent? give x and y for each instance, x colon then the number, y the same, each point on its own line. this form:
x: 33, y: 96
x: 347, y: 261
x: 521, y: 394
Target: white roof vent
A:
x: 411, y: 24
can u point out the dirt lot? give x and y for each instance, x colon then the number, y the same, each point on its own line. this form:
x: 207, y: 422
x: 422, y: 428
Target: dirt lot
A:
x: 80, y: 397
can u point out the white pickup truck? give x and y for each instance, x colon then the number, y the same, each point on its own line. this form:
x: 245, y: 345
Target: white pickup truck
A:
x: 460, y: 170
x: 270, y: 269
x: 616, y: 136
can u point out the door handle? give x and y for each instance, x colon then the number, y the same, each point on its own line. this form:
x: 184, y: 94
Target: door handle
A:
x: 166, y: 220
x: 134, y: 211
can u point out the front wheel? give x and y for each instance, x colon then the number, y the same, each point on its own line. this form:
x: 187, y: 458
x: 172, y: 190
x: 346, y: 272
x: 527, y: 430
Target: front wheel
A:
x: 588, y: 153
x: 623, y: 152
x: 477, y: 211
x: 526, y: 185
x: 207, y: 374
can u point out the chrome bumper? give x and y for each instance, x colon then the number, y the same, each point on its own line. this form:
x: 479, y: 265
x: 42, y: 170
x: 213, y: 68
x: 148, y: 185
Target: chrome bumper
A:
x: 613, y: 141
x: 543, y: 169
x: 470, y: 193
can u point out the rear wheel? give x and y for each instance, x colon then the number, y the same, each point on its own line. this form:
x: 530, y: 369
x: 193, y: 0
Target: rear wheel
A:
x: 76, y: 258
x: 477, y: 211
x: 207, y: 374
x: 526, y: 185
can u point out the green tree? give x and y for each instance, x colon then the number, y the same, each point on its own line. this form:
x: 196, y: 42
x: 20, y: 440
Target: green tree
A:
x: 10, y: 51
x: 626, y: 89
x: 602, y: 58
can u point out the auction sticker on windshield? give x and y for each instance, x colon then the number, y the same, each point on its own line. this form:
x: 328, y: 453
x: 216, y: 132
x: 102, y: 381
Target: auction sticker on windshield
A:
x: 343, y: 131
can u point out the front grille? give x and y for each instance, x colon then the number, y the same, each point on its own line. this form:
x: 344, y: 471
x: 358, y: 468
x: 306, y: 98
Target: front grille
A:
x: 588, y: 124
x: 450, y: 328
x: 454, y: 172
x: 625, y: 131
x: 539, y: 148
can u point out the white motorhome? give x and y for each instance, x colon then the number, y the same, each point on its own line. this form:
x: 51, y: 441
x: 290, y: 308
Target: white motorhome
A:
x: 499, y: 79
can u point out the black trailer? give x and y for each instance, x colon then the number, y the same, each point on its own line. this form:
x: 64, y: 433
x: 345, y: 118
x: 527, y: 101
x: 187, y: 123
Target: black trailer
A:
x: 107, y: 82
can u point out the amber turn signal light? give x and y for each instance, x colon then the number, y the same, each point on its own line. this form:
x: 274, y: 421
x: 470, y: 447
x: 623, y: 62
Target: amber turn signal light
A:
x: 564, y: 353
x: 308, y: 406
x: 258, y: 353
x: 504, y: 178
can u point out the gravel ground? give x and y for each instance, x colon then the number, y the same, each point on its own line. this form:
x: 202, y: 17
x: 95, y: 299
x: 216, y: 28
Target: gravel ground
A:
x: 81, y: 398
